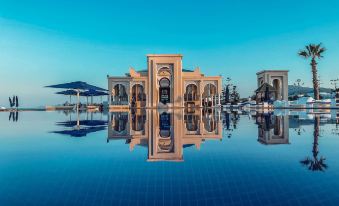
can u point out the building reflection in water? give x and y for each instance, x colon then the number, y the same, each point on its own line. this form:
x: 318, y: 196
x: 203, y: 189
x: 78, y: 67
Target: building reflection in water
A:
x: 272, y: 129
x: 165, y: 133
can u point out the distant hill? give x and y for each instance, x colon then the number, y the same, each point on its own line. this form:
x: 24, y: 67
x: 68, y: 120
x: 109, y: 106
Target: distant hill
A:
x: 293, y: 90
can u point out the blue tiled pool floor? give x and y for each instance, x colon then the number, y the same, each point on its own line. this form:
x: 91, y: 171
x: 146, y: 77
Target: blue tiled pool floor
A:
x: 38, y: 167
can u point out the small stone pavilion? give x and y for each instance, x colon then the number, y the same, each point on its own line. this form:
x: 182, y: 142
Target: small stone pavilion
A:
x: 164, y: 84
x: 277, y: 81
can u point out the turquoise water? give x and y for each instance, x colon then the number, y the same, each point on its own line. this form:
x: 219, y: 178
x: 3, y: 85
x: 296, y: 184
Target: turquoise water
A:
x: 168, y: 158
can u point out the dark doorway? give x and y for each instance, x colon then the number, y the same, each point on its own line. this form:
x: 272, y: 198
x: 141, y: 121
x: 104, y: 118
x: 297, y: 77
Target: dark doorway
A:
x: 164, y: 91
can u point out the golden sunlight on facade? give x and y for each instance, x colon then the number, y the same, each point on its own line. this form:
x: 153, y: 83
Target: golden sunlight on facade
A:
x: 164, y: 84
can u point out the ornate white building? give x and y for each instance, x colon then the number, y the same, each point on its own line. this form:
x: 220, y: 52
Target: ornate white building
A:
x: 164, y: 84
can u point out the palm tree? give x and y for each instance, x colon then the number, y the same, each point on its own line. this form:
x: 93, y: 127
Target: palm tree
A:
x: 313, y: 51
x: 315, y: 163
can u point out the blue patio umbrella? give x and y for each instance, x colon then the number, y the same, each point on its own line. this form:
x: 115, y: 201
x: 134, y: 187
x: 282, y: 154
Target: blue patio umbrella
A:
x: 91, y: 93
x: 77, y: 86
x: 83, y: 123
x: 69, y: 92
x: 80, y: 132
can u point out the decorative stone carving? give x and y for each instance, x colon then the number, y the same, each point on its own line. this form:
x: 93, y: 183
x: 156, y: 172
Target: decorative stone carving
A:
x: 137, y: 82
x: 196, y: 83
x: 165, y: 67
x: 214, y: 83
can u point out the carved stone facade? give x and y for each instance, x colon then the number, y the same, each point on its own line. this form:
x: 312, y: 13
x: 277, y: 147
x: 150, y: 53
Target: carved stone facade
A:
x: 164, y: 84
x: 277, y: 79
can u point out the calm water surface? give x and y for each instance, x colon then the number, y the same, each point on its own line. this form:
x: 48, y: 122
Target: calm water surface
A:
x: 149, y: 157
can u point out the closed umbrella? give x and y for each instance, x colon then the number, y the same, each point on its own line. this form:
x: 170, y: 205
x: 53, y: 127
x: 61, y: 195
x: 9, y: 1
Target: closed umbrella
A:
x: 13, y: 100
x: 10, y: 102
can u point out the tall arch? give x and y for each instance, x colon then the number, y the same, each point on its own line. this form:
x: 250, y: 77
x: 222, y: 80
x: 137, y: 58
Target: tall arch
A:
x: 191, y: 92
x: 210, y: 91
x: 277, y: 87
x: 138, y: 96
x: 119, y: 95
x: 165, y: 90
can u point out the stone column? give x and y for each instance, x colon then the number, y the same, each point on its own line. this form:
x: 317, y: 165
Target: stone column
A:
x: 112, y: 94
x: 219, y: 116
x: 130, y: 94
x: 200, y: 92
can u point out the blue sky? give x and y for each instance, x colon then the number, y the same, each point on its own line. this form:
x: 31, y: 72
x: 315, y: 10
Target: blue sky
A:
x: 47, y: 42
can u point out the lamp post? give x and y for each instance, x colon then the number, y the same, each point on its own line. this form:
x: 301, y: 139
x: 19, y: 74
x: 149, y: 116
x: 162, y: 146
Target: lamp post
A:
x: 335, y: 82
x: 299, y: 84
x: 319, y: 82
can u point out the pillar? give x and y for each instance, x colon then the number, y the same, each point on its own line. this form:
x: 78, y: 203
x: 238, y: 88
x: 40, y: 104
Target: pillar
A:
x: 130, y: 94
x: 219, y: 116
x: 200, y: 93
x: 200, y: 99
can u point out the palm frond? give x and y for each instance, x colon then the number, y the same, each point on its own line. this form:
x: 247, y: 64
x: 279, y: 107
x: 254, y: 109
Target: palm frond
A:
x: 321, y: 51
x: 309, y: 49
x: 303, y: 53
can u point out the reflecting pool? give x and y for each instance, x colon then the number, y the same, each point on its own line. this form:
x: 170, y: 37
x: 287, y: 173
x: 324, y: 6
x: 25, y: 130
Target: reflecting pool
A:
x: 169, y: 157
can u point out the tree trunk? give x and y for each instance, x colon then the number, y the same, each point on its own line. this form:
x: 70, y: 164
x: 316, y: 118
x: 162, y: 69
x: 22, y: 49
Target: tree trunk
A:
x: 315, y: 150
x: 315, y: 79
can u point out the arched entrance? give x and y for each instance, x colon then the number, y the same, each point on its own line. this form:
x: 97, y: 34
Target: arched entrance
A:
x: 191, y: 95
x: 209, y: 95
x: 164, y: 90
x: 119, y: 95
x: 276, y: 85
x: 138, y: 96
